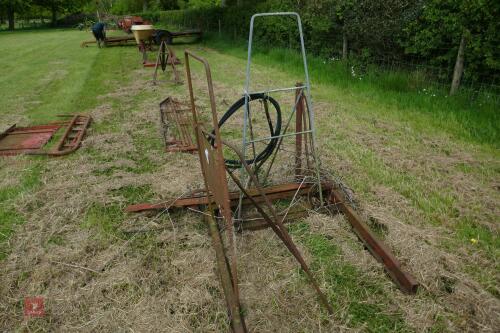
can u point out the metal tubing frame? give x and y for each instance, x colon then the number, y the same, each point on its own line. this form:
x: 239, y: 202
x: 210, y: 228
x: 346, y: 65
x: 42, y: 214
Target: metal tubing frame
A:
x: 306, y: 87
x: 223, y: 201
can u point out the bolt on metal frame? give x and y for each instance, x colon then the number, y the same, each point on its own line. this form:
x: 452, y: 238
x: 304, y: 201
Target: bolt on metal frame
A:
x: 306, y: 87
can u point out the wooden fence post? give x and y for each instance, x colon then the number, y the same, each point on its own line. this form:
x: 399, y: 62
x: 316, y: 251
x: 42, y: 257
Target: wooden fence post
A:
x: 459, y: 66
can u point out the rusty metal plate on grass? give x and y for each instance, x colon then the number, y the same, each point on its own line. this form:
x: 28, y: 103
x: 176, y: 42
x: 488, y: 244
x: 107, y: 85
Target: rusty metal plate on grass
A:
x: 30, y: 140
x: 22, y: 140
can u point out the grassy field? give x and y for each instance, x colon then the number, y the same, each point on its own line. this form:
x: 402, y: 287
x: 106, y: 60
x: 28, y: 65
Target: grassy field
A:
x: 424, y: 170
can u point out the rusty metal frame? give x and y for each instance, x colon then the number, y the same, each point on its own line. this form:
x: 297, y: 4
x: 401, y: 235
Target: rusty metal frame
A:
x: 111, y: 41
x: 23, y: 140
x: 216, y: 185
x: 217, y: 192
x: 219, y: 200
x: 177, y: 126
x: 37, y: 136
x: 72, y: 137
x: 166, y: 56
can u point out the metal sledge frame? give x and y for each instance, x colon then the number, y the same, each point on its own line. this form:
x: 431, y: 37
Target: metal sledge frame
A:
x: 220, y: 201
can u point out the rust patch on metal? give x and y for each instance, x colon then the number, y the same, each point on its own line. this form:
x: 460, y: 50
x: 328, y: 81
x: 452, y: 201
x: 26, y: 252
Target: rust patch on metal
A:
x: 276, y: 192
x: 72, y: 137
x: 216, y: 185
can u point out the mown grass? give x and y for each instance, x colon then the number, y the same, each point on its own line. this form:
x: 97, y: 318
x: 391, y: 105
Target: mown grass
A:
x: 45, y: 73
x: 395, y: 97
x: 9, y: 216
x: 349, y: 291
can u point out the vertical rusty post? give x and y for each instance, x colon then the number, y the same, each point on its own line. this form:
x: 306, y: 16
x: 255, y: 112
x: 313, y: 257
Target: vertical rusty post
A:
x: 299, y: 96
x: 232, y: 301
x: 214, y: 174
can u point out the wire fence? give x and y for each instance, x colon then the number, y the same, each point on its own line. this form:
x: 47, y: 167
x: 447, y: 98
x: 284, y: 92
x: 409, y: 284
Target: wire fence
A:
x: 429, y: 78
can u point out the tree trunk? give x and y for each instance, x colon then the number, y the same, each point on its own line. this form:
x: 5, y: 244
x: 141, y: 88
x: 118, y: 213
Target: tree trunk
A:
x: 223, y: 3
x: 459, y: 67
x: 10, y: 17
x: 145, y: 5
x: 54, y: 16
x: 344, y: 46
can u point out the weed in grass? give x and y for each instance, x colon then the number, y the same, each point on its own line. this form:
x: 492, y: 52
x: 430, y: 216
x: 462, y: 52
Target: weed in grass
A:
x: 134, y: 194
x: 104, y: 218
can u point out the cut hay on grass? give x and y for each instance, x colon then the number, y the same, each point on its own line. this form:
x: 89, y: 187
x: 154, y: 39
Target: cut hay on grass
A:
x: 100, y: 269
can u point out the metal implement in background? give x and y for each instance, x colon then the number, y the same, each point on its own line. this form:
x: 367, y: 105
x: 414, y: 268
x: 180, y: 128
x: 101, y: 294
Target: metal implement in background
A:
x: 197, y: 33
x: 111, y: 41
x: 72, y: 136
x: 177, y: 126
x: 23, y: 140
x: 127, y: 22
x: 30, y: 140
x: 166, y: 57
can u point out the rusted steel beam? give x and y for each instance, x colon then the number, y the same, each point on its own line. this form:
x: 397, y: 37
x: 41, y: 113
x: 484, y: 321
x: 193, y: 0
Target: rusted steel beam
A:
x: 259, y: 223
x: 213, y: 166
x: 405, y: 281
x: 284, y: 191
x: 279, y: 229
x: 299, y: 114
x: 232, y: 302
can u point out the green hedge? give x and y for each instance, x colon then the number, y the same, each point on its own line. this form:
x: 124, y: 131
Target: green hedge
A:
x: 235, y: 22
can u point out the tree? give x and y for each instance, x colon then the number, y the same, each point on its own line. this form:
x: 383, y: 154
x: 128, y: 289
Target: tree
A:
x: 457, y: 34
x: 11, y: 7
x: 60, y: 6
